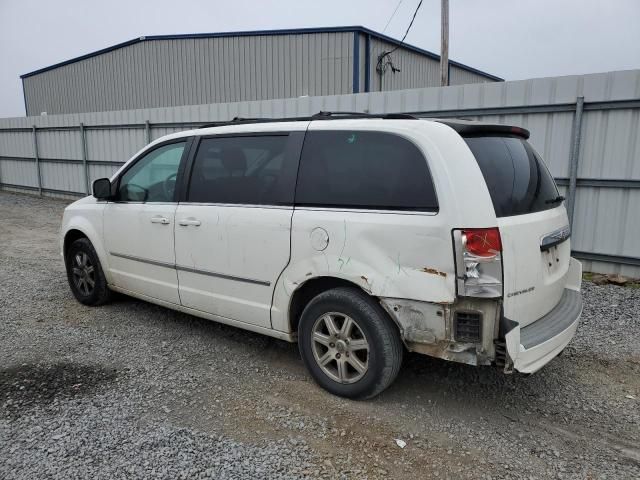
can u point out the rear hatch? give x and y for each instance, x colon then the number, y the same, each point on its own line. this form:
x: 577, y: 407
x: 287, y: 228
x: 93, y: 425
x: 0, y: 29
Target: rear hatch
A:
x: 532, y: 220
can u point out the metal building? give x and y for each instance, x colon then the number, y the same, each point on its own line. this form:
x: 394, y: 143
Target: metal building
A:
x: 172, y: 70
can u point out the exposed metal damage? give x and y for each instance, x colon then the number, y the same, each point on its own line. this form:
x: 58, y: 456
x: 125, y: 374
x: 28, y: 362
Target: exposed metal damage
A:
x: 429, y: 328
x: 433, y: 271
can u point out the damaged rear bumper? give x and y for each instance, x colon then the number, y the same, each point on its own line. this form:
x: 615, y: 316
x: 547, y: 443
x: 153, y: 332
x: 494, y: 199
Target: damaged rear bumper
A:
x: 430, y: 328
x: 532, y: 347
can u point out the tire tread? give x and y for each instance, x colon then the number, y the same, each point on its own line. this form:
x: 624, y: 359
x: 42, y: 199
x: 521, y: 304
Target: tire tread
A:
x: 392, y: 349
x: 102, y: 294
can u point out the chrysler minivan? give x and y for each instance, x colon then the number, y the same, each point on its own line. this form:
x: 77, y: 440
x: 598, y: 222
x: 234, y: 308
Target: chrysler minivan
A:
x: 358, y: 236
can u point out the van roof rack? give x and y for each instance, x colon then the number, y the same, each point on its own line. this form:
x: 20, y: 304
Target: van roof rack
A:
x: 321, y: 115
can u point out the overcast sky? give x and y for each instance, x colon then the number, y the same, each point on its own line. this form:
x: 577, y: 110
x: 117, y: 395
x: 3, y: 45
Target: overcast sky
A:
x: 513, y: 39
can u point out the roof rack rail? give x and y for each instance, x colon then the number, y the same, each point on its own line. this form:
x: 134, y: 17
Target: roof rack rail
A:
x: 222, y: 123
x: 321, y: 115
x: 387, y: 116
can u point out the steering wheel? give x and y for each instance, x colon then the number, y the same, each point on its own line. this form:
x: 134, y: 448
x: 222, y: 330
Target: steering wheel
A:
x: 169, y: 186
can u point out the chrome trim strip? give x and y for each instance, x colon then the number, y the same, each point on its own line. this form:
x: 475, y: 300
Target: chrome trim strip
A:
x: 118, y: 202
x: 222, y: 275
x: 555, y: 238
x: 191, y: 270
x: 364, y: 210
x: 241, y: 205
x: 143, y: 260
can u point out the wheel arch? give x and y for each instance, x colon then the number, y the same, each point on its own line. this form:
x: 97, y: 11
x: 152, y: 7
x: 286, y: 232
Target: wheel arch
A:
x: 78, y: 227
x: 306, y: 291
x: 71, y: 236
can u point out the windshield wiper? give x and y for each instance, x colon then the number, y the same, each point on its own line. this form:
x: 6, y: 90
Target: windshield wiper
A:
x: 558, y: 199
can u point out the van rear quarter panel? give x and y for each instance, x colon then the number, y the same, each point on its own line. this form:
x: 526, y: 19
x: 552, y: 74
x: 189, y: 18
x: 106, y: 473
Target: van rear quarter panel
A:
x: 407, y: 255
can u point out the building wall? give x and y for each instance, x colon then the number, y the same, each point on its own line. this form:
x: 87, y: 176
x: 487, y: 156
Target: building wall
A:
x: 167, y: 72
x: 460, y: 76
x: 416, y: 70
x: 164, y: 73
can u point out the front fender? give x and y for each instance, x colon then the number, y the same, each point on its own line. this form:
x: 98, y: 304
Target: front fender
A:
x: 87, y: 219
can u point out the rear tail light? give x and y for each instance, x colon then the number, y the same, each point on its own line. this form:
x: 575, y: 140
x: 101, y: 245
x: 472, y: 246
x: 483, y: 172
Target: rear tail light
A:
x: 478, y: 262
x: 483, y: 242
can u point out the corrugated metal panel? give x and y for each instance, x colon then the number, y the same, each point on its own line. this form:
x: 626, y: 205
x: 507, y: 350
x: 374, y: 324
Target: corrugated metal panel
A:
x: 18, y: 172
x: 116, y: 145
x: 606, y: 221
x: 196, y: 71
x: 415, y: 70
x: 60, y: 144
x: 610, y: 147
x: 16, y: 144
x: 62, y: 176
x: 460, y: 76
x: 605, y: 218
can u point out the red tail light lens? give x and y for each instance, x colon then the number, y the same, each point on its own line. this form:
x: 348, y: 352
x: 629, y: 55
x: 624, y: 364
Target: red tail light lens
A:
x: 483, y: 242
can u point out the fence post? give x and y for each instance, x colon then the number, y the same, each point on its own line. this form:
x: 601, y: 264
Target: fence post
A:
x: 147, y: 130
x: 574, y: 157
x: 85, y: 165
x: 37, y: 157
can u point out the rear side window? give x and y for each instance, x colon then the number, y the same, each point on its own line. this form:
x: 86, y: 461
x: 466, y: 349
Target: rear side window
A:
x: 370, y: 170
x: 517, y: 178
x: 257, y: 170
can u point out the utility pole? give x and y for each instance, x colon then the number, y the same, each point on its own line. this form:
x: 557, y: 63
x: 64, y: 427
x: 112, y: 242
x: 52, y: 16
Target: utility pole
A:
x: 444, y: 43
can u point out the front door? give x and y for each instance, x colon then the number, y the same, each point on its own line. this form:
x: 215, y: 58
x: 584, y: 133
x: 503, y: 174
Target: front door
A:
x: 233, y: 229
x: 139, y: 224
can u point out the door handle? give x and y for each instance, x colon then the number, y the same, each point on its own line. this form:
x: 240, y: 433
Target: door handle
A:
x: 185, y: 222
x: 160, y: 219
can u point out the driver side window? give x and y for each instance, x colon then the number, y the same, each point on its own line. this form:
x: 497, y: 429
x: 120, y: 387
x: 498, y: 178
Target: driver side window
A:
x: 153, y: 177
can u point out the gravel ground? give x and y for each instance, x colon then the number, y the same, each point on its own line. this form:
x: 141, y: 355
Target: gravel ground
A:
x: 132, y: 390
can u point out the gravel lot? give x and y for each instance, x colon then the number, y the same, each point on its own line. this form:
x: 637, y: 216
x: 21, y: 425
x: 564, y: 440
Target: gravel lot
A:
x: 132, y: 390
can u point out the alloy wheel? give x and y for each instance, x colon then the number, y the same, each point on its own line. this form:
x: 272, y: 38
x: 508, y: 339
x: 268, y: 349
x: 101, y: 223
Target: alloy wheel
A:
x: 83, y: 273
x: 340, y: 347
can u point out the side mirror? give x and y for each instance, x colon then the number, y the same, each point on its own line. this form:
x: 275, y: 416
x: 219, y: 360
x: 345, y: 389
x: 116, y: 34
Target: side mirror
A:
x: 102, y: 189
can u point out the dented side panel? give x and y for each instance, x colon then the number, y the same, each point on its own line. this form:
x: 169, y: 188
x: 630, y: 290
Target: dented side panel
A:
x: 399, y: 255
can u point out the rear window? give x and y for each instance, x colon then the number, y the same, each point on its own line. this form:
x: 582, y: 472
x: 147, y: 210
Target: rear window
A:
x: 517, y: 178
x: 368, y: 170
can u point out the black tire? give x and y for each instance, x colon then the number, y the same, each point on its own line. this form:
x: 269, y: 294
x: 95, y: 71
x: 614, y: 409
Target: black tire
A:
x: 93, y: 295
x: 385, y: 349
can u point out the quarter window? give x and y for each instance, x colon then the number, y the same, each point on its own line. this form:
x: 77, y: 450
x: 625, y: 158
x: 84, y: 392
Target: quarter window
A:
x: 371, y: 170
x: 257, y: 170
x: 153, y: 177
x: 517, y: 178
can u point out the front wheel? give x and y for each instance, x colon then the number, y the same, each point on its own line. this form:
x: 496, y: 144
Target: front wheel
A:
x: 85, y: 275
x: 349, y: 344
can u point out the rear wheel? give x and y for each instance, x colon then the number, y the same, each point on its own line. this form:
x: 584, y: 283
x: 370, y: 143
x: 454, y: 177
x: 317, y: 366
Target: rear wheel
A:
x: 85, y: 275
x: 349, y: 344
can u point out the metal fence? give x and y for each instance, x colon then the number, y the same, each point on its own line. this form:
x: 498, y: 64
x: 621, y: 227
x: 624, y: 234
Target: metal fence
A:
x: 586, y: 128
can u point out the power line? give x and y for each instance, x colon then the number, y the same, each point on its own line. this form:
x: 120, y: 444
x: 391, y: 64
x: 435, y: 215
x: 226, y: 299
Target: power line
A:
x: 392, y: 15
x: 410, y: 24
x: 381, y: 66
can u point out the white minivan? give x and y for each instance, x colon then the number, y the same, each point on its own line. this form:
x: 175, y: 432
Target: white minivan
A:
x: 358, y: 236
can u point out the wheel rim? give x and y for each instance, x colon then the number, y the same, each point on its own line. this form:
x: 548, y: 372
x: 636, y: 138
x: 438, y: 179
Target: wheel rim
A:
x: 340, y: 347
x: 83, y: 273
